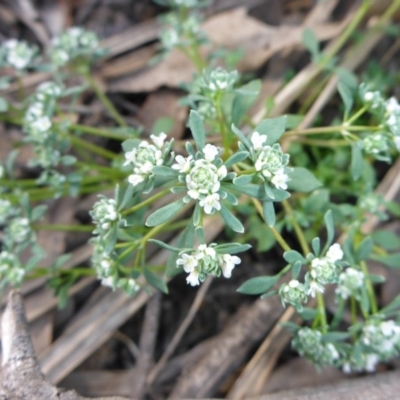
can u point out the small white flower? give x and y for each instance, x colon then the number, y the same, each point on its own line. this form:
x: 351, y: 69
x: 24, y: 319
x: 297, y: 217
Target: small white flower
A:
x: 368, y: 96
x: 280, y: 179
x: 182, y: 163
x: 158, y: 140
x: 210, y: 152
x: 222, y: 172
x: 210, y: 203
x: 293, y: 284
x: 188, y: 262
x: 315, y: 287
x: 258, y: 140
x: 193, y: 278
x: 42, y: 124
x: 370, y: 362
x: 392, y: 105
x: 229, y: 263
x: 108, y: 282
x: 135, y: 179
x: 334, y: 253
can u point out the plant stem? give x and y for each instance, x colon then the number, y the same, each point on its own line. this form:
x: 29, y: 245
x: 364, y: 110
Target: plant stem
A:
x: 370, y: 289
x: 65, y: 228
x: 79, y: 143
x: 144, y: 203
x: 105, y: 100
x: 90, y: 130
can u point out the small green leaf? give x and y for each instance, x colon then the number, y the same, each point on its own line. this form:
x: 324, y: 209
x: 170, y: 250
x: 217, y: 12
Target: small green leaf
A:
x: 330, y: 228
x: 251, y: 190
x: 241, y: 136
x: 390, y: 260
x: 244, y: 99
x: 164, y: 124
x: 296, y: 268
x: 38, y: 212
x: 269, y: 213
x: 127, y: 196
x: 155, y: 281
x: 316, y: 245
x: 197, y: 128
x: 310, y: 42
x: 364, y: 249
x: 165, y: 172
x: 335, y: 336
x: 231, y: 220
x: 291, y: 256
x: 243, y: 180
x: 165, y: 245
x: 130, y: 144
x: 196, y: 214
x: 165, y: 213
x: 273, y: 128
x: 308, y: 314
x: 388, y: 240
x: 357, y: 161
x: 376, y: 278
x: 258, y: 285
x: 235, y: 158
x: 347, y: 97
x: 232, y: 248
x: 302, y: 180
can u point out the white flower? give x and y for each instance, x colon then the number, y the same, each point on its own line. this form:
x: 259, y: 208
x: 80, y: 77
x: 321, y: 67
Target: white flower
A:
x: 222, y: 172
x: 392, y: 105
x: 158, y: 140
x: 280, y: 179
x: 396, y: 140
x: 315, y: 287
x: 371, y: 360
x: 108, y: 282
x: 193, y: 278
x: 210, y: 152
x: 210, y: 203
x: 42, y: 124
x: 389, y: 328
x: 228, y: 265
x: 258, y: 140
x: 202, y: 180
x: 188, y: 262
x: 182, y: 163
x: 203, y: 250
x: 334, y: 253
x: 368, y: 96
x: 135, y: 179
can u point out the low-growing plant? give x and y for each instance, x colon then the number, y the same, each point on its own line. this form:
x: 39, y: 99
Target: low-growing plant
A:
x: 266, y: 181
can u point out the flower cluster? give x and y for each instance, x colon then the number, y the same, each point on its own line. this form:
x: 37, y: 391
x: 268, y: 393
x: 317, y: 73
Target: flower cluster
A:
x: 181, y: 33
x: 104, y: 214
x: 216, y: 80
x: 106, y: 266
x: 144, y: 156
x: 309, y: 343
x: 72, y: 44
x: 269, y: 161
x: 378, y: 144
x: 373, y: 203
x: 324, y: 270
x: 293, y: 293
x: 17, y: 54
x: 204, y: 261
x: 350, y: 283
x: 11, y: 270
x: 203, y: 178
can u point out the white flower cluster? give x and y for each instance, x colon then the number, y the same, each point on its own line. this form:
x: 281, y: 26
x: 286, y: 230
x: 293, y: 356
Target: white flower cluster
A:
x: 269, y: 161
x: 6, y: 210
x: 217, y: 80
x: 74, y: 43
x: 17, y: 54
x: 146, y: 156
x: 324, y: 270
x: 205, y: 261
x: 104, y: 214
x: 18, y: 230
x: 107, y: 269
x: 203, y: 178
x: 308, y: 342
x: 350, y: 281
x: 293, y: 293
x: 373, y: 203
x: 378, y: 341
x: 11, y: 270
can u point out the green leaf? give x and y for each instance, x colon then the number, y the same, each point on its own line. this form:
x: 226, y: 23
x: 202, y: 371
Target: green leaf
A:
x: 386, y: 239
x: 273, y: 128
x: 243, y: 180
x: 244, y: 99
x: 395, y: 303
x: 308, y: 314
x: 302, y: 180
x: 347, y: 96
x: 335, y: 337
x: 197, y: 128
x: 296, y: 268
x: 251, y: 190
x: 165, y: 172
x: 185, y: 240
x: 163, y: 124
x: 310, y: 42
x: 330, y: 228
x: 316, y: 246
x: 291, y: 256
x: 232, y: 248
x: 196, y: 214
x: 165, y: 245
x: 376, y: 278
x: 357, y: 161
x: 126, y: 197
x: 38, y: 212
x: 235, y: 158
x: 241, y: 136
x: 130, y: 144
x: 231, y: 220
x: 155, y: 281
x: 258, y: 285
x: 269, y: 213
x: 165, y: 213
x: 364, y: 249
x: 390, y: 260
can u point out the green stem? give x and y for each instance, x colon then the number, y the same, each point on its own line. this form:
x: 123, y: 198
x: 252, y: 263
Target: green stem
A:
x: 144, y: 203
x: 61, y: 227
x: 79, y: 143
x: 358, y: 114
x: 105, y: 100
x: 222, y: 126
x: 322, y: 312
x: 90, y: 130
x: 323, y: 143
x: 370, y: 289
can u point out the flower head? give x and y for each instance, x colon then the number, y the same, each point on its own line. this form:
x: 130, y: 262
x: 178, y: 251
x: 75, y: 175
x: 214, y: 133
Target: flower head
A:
x: 258, y: 140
